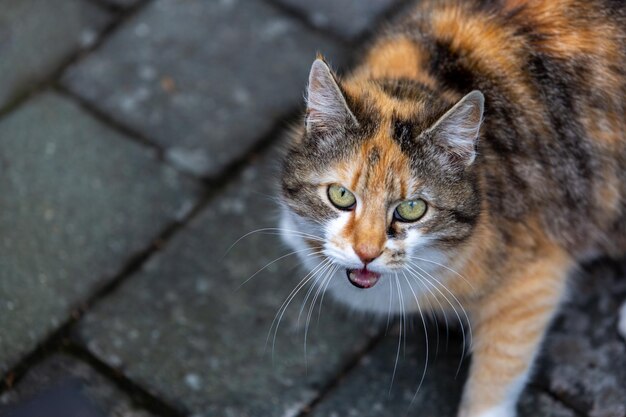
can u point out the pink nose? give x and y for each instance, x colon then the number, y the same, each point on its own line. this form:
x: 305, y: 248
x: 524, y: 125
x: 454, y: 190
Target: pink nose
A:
x: 366, y: 252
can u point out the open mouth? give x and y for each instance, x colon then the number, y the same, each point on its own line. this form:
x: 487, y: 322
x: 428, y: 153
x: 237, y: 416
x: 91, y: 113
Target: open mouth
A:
x: 362, y: 278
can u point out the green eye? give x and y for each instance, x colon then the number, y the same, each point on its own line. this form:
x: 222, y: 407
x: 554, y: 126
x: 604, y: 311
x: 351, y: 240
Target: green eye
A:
x: 410, y: 211
x: 341, y: 197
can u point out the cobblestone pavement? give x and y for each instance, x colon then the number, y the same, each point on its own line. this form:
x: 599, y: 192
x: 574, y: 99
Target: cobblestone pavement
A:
x: 137, y: 142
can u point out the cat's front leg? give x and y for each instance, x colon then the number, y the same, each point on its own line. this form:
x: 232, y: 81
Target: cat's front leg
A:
x: 509, y: 324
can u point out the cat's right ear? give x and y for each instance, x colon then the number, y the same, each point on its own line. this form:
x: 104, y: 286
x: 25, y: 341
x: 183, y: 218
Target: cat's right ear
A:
x: 457, y: 131
x: 327, y: 109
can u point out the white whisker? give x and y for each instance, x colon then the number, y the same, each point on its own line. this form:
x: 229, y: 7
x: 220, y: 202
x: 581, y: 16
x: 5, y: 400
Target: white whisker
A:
x: 452, y: 295
x: 425, y: 280
x: 330, y: 278
x: 283, y: 308
x: 390, y: 302
x: 426, y: 339
x: 276, y: 260
x: 312, y: 306
x: 395, y: 366
x: 465, y: 344
x: 319, y: 274
x: 432, y: 310
x: 416, y: 275
x: 445, y: 267
x: 274, y: 229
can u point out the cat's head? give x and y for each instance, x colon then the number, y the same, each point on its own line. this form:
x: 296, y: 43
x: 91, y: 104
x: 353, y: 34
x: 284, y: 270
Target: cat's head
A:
x: 380, y: 184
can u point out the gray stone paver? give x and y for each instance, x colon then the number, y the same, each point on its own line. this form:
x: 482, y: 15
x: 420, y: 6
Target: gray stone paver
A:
x: 536, y: 403
x: 77, y: 200
x: 584, y: 359
x: 36, y: 36
x: 347, y: 18
x: 204, y: 79
x: 62, y: 386
x: 183, y: 329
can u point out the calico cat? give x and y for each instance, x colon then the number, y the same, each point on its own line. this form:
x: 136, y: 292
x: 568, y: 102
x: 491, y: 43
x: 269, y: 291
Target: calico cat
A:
x: 473, y: 157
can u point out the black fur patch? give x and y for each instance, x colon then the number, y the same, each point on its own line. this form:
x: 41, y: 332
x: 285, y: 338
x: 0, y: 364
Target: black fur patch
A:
x: 450, y: 68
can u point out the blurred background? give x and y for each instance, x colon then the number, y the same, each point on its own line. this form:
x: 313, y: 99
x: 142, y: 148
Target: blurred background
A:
x: 137, y: 143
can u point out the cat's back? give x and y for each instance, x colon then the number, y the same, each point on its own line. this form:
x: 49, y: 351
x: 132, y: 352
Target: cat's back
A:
x: 553, y: 73
x: 526, y: 52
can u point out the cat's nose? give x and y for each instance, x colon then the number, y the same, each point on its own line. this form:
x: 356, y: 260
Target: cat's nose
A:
x: 367, y: 252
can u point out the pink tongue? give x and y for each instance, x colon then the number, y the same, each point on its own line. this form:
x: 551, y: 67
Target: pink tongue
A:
x: 362, y: 278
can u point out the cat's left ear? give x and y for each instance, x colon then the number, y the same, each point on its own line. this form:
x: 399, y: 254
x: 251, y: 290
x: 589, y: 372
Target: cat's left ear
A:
x: 327, y: 110
x: 458, y: 129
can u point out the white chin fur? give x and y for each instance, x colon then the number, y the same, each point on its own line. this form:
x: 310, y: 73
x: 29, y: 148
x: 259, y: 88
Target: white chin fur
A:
x: 381, y: 299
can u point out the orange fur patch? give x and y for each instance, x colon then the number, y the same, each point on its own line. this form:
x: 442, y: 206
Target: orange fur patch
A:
x: 395, y: 58
x: 485, y: 45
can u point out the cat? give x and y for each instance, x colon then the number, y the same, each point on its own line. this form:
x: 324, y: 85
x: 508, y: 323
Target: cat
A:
x: 474, y: 156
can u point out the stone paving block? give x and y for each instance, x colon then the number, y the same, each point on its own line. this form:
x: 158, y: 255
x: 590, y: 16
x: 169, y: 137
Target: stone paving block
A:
x: 535, y: 403
x: 77, y: 200
x: 36, y: 36
x: 62, y: 386
x: 187, y: 330
x: 204, y: 79
x: 584, y: 359
x: 347, y: 18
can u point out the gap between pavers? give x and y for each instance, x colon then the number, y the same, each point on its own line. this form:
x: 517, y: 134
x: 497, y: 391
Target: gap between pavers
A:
x: 34, y: 43
x: 62, y: 386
